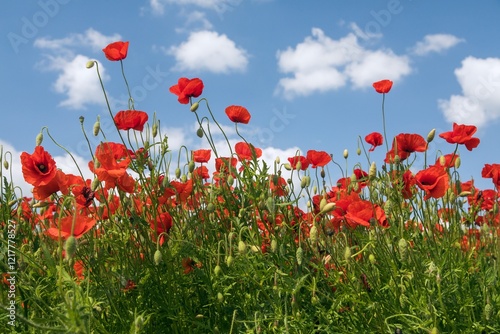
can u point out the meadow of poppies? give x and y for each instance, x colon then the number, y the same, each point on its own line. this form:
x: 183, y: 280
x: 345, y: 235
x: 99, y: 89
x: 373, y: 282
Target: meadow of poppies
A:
x: 200, y: 242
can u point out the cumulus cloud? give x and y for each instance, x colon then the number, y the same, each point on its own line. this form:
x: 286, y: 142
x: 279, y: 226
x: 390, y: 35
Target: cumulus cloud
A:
x: 321, y: 63
x: 479, y: 102
x: 435, y: 43
x: 209, y: 51
x: 80, y: 85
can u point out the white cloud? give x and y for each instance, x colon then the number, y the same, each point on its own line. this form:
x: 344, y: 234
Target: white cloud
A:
x: 321, y: 63
x: 79, y: 84
x: 196, y: 20
x: 436, y: 43
x: 208, y: 51
x: 479, y: 102
x: 158, y: 6
x: 90, y: 38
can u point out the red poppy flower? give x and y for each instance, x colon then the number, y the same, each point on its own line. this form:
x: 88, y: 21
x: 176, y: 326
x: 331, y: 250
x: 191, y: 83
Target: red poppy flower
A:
x: 201, y: 155
x: 383, y: 86
x: 130, y: 119
x: 318, y: 158
x: 58, y: 183
x: 238, y: 114
x: 247, y: 151
x: 375, y: 139
x: 433, y: 180
x: 404, y: 144
x: 202, y: 172
x: 462, y: 134
x: 116, y: 51
x: 38, y: 168
x: 278, y: 185
x: 492, y: 172
x: 187, y: 88
x: 304, y: 162
x: 82, y: 225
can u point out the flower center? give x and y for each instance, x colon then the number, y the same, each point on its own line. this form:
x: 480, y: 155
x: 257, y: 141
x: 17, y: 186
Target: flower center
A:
x: 42, y: 168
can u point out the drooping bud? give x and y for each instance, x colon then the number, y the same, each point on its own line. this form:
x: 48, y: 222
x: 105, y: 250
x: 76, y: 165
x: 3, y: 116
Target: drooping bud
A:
x: 442, y: 160
x: 199, y: 132
x: 194, y: 107
x: 177, y: 172
x: 217, y: 270
x: 430, y: 136
x: 229, y: 260
x: 457, y: 162
x: 242, y: 247
x: 298, y: 166
x: 230, y: 180
x: 299, y: 254
x: 90, y: 64
x: 6, y: 164
x: 358, y: 151
x: 70, y: 247
x: 347, y: 253
x: 158, y: 257
x: 39, y: 139
x: 95, y: 184
x: 328, y: 207
x: 220, y: 297
x: 305, y: 182
x: 191, y: 166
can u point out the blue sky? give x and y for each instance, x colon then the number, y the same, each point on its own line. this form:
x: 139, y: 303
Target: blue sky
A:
x: 303, y: 69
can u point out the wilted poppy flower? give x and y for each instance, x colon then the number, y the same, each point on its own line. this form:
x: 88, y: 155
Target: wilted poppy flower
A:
x: 238, y: 114
x: 383, y: 86
x: 304, y: 162
x: 187, y: 88
x: 130, y: 119
x: 247, y: 151
x: 433, y: 180
x: 201, y: 155
x: 374, y: 139
x: 82, y: 225
x: 404, y: 144
x: 462, y: 134
x: 116, y: 51
x: 38, y: 168
x: 318, y: 158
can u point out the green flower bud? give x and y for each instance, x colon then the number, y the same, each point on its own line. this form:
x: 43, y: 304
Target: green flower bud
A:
x: 358, y: 151
x: 346, y: 154
x: 90, y: 64
x: 488, y: 310
x: 39, y: 139
x: 347, y: 253
x: 274, y: 245
x: 430, y: 136
x: 217, y: 270
x: 229, y: 260
x: 287, y: 166
x: 298, y: 166
x: 139, y: 324
x: 403, y: 249
x: 70, y: 247
x: 305, y: 182
x: 210, y: 207
x: 177, y: 172
x: 6, y: 164
x: 220, y: 297
x: 313, y: 234
x: 328, y: 207
x: 183, y: 178
x: 97, y: 126
x: 322, y: 203
x: 457, y: 162
x: 230, y: 180
x: 372, y: 259
x: 372, y: 172
x: 199, y: 132
x: 194, y: 107
x: 191, y: 166
x: 158, y: 257
x: 154, y: 129
x: 242, y: 247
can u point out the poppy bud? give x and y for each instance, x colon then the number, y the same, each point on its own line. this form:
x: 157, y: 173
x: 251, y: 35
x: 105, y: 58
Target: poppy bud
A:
x: 328, y: 207
x: 322, y: 204
x: 220, y: 297
x: 177, y: 172
x: 229, y: 260
x: 372, y: 259
x: 199, y: 132
x: 287, y: 166
x: 90, y: 64
x: 242, y: 247
x: 397, y: 159
x: 217, y: 270
x: 95, y: 184
x: 154, y: 129
x: 39, y: 139
x: 6, y: 164
x: 277, y: 160
x: 97, y: 126
x: 442, y: 160
x: 274, y: 245
x: 158, y: 257
x: 299, y: 254
x: 70, y: 247
x: 210, y: 207
x: 457, y: 162
x: 488, y: 310
x: 306, y: 180
x: 322, y: 173
x: 183, y: 178
x: 191, y: 166
x: 346, y: 154
x: 230, y: 180
x: 194, y: 107
x: 298, y: 166
x: 347, y: 253
x: 431, y: 135
x: 358, y: 151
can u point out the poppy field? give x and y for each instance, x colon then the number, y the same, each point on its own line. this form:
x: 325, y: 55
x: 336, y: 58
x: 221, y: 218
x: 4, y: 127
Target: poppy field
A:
x: 204, y: 242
